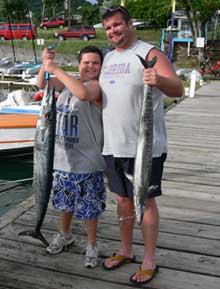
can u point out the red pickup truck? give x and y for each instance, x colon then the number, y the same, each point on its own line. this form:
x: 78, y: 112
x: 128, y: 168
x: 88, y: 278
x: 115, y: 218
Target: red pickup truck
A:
x: 53, y: 22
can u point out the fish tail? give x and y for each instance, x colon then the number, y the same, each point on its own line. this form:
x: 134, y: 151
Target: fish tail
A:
x: 36, y: 235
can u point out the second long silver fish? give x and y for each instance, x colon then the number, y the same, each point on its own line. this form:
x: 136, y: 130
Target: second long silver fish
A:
x: 143, y: 159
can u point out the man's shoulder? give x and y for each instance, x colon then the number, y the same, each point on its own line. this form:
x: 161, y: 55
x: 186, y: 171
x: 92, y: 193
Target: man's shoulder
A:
x: 140, y: 42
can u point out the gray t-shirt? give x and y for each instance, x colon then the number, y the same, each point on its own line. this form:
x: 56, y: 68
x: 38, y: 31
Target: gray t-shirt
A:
x: 122, y: 86
x: 79, y: 136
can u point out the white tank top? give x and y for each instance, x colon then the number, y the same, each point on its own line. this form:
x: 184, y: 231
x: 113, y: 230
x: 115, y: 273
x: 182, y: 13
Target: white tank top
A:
x: 123, y: 90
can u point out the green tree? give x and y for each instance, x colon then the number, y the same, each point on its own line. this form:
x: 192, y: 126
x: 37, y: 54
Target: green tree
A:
x: 49, y: 7
x: 158, y: 12
x: 199, y: 12
x: 16, y: 10
x: 99, y: 2
x: 90, y: 14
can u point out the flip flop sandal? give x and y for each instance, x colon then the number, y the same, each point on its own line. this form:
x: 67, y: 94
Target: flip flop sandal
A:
x: 121, y: 261
x: 144, y: 273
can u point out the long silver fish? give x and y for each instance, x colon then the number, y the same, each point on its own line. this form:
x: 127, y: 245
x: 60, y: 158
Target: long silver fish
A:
x: 43, y: 161
x: 143, y: 159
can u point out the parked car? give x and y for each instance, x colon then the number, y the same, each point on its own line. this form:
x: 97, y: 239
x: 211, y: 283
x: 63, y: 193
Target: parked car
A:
x: 137, y: 22
x: 98, y: 26
x: 84, y: 32
x: 17, y: 31
x: 145, y: 25
x: 142, y: 25
x: 53, y: 22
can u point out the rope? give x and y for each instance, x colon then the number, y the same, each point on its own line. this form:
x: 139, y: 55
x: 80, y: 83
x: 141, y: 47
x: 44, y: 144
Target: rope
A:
x: 8, y: 189
x: 11, y: 182
x: 16, y: 181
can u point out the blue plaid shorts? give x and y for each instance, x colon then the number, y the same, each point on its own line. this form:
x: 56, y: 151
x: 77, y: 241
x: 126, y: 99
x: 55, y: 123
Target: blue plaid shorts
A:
x: 82, y: 194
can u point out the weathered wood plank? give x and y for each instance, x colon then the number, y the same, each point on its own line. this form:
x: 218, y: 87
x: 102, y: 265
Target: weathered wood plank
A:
x: 188, y: 250
x: 18, y: 274
x: 45, y: 264
x: 169, y: 226
x: 190, y: 215
x: 192, y: 262
x: 7, y: 282
x: 168, y: 240
x: 171, y: 164
x: 14, y: 213
x: 190, y: 193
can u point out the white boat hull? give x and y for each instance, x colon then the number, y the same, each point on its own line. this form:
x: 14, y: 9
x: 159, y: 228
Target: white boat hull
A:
x: 14, y: 139
x: 17, y: 127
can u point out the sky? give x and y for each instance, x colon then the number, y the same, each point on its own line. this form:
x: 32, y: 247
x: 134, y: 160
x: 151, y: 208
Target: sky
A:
x: 92, y: 1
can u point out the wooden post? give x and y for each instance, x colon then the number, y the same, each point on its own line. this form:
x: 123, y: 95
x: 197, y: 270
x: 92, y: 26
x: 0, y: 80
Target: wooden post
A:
x: 188, y: 48
x: 192, y: 84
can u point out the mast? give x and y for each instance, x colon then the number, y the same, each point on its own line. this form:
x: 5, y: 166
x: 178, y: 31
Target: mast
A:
x: 32, y: 38
x: 170, y: 51
x: 9, y: 22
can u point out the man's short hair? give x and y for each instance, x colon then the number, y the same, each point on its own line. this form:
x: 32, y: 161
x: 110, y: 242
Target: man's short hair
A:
x: 107, y: 12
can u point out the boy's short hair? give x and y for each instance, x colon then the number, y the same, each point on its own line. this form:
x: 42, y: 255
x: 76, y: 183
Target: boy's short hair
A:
x: 112, y: 10
x: 90, y: 49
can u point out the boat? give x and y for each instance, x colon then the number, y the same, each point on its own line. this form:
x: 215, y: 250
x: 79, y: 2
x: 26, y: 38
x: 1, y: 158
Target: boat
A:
x: 18, y: 120
x: 5, y: 61
x: 33, y: 70
x: 24, y: 66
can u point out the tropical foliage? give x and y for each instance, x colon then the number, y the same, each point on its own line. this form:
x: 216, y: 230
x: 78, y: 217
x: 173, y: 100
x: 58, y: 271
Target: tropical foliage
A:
x: 199, y: 12
x: 157, y: 11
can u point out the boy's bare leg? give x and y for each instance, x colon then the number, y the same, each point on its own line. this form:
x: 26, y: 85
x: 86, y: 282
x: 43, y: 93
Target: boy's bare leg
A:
x: 92, y: 230
x: 65, y: 223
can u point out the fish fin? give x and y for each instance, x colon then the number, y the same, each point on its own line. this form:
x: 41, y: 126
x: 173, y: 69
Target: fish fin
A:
x: 140, y: 218
x: 35, y: 235
x: 129, y: 177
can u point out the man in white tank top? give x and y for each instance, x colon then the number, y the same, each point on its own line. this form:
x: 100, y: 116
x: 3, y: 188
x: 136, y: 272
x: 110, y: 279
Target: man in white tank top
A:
x: 122, y: 81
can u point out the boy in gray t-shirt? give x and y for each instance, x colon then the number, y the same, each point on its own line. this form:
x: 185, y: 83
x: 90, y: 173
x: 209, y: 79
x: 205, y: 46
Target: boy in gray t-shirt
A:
x: 78, y: 186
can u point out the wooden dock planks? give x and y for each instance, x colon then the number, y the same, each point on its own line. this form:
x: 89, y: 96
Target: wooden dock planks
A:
x: 188, y: 250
